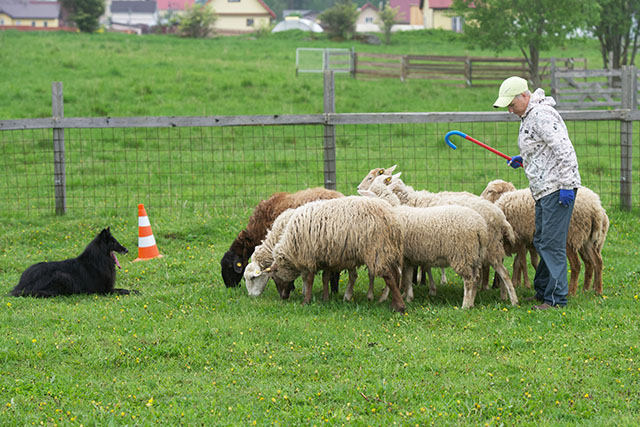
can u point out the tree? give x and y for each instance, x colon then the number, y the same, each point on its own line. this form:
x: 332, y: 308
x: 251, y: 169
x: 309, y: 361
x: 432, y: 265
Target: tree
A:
x: 197, y: 21
x: 531, y: 26
x: 85, y: 13
x: 617, y: 30
x: 339, y: 21
x: 387, y: 20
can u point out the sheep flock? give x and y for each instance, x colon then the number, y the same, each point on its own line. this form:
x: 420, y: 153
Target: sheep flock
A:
x: 393, y: 230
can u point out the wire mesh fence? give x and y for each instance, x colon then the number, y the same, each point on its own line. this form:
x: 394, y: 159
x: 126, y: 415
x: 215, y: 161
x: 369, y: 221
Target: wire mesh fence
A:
x: 224, y: 168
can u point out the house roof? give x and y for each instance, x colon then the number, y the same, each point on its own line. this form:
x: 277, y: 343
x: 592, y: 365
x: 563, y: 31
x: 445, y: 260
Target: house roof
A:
x: 440, y: 4
x: 404, y: 8
x: 271, y: 12
x: 23, y: 9
x: 174, y: 4
x: 368, y: 5
x: 133, y: 6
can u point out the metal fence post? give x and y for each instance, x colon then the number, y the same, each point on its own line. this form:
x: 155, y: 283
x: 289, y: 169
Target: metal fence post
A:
x: 629, y: 88
x: 329, y: 132
x: 59, y: 174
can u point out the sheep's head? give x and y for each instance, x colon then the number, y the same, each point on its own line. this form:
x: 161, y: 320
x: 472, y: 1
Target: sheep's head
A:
x: 232, y: 266
x: 382, y: 187
x: 256, y: 279
x: 495, y: 189
x: 373, y: 174
x: 283, y: 279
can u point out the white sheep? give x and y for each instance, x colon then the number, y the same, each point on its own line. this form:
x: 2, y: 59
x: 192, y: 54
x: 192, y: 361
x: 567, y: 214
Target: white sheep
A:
x: 364, y: 185
x: 341, y: 234
x: 586, y: 236
x: 263, y: 257
x: 497, y: 226
x: 444, y: 236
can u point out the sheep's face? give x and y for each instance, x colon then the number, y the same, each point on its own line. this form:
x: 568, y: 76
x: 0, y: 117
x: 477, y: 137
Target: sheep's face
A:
x: 495, y: 189
x: 373, y: 174
x: 232, y: 266
x: 255, y: 279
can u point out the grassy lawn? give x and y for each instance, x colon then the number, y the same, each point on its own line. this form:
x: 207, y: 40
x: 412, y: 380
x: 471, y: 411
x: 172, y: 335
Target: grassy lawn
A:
x: 189, y: 351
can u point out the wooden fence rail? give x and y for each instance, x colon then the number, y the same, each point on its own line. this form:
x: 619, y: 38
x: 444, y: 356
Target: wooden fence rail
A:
x: 459, y: 70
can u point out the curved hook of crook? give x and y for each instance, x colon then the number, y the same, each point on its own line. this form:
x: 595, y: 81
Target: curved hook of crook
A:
x: 453, y: 132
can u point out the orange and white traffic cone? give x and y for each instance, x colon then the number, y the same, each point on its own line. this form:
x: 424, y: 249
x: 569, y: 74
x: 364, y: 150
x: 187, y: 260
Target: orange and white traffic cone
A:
x: 147, y: 248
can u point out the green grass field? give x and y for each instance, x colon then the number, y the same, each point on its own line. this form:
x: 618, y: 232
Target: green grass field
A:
x: 188, y: 351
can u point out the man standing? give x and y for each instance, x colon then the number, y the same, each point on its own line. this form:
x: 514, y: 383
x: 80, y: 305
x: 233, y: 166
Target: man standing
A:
x: 551, y: 166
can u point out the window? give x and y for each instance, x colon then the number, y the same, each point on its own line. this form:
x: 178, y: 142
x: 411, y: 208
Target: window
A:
x: 33, y: 23
x: 45, y: 24
x: 368, y: 20
x: 249, y: 22
x: 233, y: 1
x: 456, y: 24
x: 1, y: 21
x: 18, y: 22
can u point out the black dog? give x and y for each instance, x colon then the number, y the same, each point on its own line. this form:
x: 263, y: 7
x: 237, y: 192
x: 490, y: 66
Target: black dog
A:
x: 93, y: 272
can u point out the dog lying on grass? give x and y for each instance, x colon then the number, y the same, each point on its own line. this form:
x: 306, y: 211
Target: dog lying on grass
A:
x: 93, y: 272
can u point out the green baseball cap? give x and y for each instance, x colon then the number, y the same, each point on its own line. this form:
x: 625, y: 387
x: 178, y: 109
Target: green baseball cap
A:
x: 509, y: 89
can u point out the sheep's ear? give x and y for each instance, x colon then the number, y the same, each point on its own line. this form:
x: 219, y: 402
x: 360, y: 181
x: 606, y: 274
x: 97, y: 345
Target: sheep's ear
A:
x: 367, y: 193
x: 390, y: 170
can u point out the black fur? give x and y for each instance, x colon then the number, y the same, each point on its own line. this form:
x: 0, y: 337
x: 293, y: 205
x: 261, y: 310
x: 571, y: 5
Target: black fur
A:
x: 93, y: 272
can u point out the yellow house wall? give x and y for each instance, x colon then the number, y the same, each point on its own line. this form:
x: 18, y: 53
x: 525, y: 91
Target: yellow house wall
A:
x: 368, y: 13
x: 245, y: 7
x: 239, y: 23
x: 232, y: 16
x: 442, y: 20
x: 8, y: 21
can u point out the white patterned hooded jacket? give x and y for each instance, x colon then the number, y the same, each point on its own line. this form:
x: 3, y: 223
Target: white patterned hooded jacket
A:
x: 548, y: 156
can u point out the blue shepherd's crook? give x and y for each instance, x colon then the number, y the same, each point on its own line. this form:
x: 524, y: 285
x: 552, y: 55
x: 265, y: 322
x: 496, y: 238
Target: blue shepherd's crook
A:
x: 483, y: 145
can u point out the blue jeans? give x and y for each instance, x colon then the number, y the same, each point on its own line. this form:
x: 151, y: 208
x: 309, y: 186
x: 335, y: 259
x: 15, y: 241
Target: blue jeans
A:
x: 550, y: 240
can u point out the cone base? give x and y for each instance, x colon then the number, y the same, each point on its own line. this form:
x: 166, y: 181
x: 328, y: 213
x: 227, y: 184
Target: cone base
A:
x: 145, y: 259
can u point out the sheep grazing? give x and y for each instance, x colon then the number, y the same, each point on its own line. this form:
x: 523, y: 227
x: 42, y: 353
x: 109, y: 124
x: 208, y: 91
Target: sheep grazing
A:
x: 262, y: 258
x: 341, y: 234
x: 443, y: 236
x: 499, y: 230
x: 235, y: 260
x: 587, y: 231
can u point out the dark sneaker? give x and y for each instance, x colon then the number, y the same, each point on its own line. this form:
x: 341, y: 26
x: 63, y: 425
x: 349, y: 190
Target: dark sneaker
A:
x: 545, y: 306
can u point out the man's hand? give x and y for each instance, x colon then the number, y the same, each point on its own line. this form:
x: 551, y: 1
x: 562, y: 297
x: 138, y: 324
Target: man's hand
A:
x: 566, y: 197
x: 515, y: 162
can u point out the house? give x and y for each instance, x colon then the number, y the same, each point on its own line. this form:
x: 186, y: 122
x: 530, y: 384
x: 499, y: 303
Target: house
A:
x: 241, y: 16
x: 29, y: 14
x: 167, y: 8
x: 437, y: 15
x: 133, y: 16
x: 409, y: 14
x: 368, y: 18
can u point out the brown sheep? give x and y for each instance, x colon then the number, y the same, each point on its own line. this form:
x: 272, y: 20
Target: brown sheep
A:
x: 235, y: 260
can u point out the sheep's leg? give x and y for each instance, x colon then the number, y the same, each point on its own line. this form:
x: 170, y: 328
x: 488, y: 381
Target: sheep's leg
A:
x: 335, y: 282
x: 443, y: 277
x: 535, y: 258
x: 517, y: 266
x: 370, y: 291
x: 348, y: 293
x: 326, y: 276
x: 392, y: 279
x: 598, y: 267
x: 506, y: 282
x: 307, y: 283
x: 407, y: 286
x: 423, y: 276
x: 384, y: 295
x: 432, y: 283
x: 469, y: 295
x: 589, y: 255
x: 485, y: 278
x: 575, y: 265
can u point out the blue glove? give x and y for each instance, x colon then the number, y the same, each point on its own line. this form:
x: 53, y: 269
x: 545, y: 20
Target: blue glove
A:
x: 566, y: 197
x: 515, y: 162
